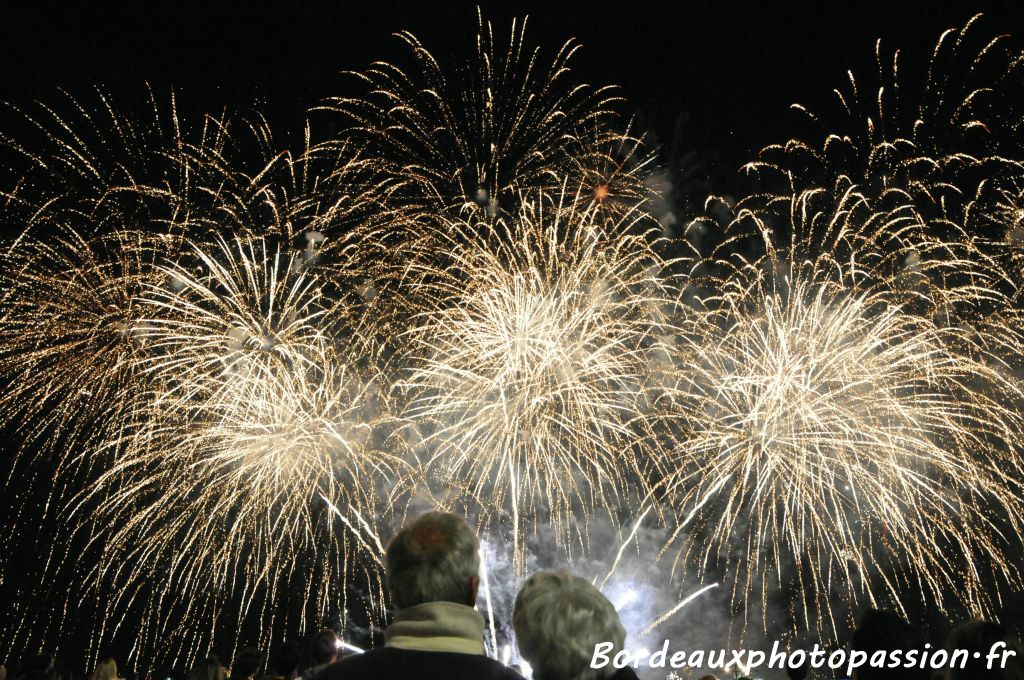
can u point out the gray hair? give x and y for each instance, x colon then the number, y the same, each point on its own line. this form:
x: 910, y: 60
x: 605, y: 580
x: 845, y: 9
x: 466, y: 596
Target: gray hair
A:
x: 558, y: 619
x: 432, y: 559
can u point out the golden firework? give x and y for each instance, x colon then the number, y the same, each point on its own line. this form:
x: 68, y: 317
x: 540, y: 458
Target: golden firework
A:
x: 476, y: 134
x: 831, y: 427
x: 218, y: 500
x: 530, y: 364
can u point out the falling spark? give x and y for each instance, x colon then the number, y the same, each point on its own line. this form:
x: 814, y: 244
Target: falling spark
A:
x: 622, y: 548
x: 485, y: 582
x: 672, y: 612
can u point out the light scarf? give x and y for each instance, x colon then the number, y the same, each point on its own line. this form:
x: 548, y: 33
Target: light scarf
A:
x: 437, y: 627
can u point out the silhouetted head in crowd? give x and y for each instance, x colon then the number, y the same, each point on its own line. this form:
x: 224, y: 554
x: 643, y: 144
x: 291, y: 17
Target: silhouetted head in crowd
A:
x: 885, y: 631
x: 432, y: 568
x: 324, y: 647
x: 209, y: 669
x: 559, y: 618
x: 248, y: 662
x: 798, y: 673
x: 105, y: 670
x: 284, y: 658
x: 41, y: 663
x: 434, y: 558
x: 985, y: 638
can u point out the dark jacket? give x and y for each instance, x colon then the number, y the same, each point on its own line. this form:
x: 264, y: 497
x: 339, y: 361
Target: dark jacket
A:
x: 390, y: 663
x: 626, y: 673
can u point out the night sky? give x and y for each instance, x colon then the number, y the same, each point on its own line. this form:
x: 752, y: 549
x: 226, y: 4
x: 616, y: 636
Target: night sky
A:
x: 715, y: 77
x: 711, y: 81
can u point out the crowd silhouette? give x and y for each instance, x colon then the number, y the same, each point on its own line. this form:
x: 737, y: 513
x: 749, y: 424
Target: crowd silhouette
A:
x: 432, y: 573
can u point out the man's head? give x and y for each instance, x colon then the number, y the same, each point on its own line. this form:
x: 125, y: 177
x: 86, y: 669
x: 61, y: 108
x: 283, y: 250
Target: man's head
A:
x: 247, y: 662
x: 983, y: 638
x: 886, y: 631
x: 324, y: 647
x: 559, y: 618
x: 434, y: 558
x: 797, y: 673
x: 284, y: 658
x: 41, y: 663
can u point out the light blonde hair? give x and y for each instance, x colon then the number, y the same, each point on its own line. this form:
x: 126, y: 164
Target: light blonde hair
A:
x: 105, y: 670
x: 559, y: 618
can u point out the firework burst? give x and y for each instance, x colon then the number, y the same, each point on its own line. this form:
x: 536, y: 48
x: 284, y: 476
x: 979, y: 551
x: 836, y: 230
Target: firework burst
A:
x: 85, y: 166
x: 995, y: 218
x: 71, y: 337
x: 529, y: 369
x: 119, y: 263
x: 832, y: 428
x: 901, y: 142
x: 261, y: 416
x: 476, y: 134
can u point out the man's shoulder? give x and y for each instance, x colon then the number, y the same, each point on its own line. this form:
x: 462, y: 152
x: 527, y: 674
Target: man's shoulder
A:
x: 386, y: 662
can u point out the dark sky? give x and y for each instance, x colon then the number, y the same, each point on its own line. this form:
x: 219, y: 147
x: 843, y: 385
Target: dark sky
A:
x: 733, y: 66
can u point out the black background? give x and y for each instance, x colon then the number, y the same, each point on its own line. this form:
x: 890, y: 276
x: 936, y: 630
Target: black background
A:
x: 715, y: 77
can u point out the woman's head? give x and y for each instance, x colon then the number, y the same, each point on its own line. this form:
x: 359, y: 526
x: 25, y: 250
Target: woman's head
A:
x: 105, y: 670
x: 980, y: 637
x: 559, y: 618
